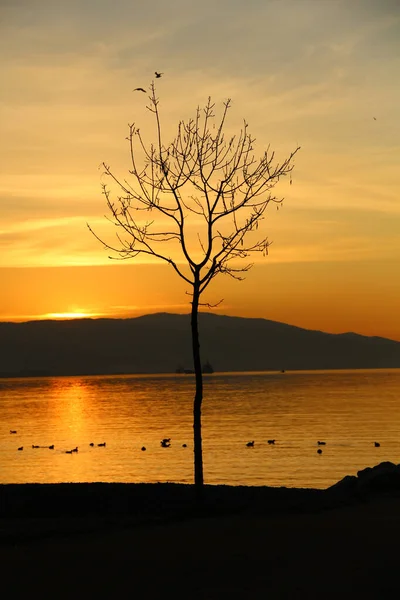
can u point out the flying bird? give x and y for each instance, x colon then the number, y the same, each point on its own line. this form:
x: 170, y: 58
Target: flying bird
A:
x: 158, y: 75
x: 374, y: 118
x: 139, y: 90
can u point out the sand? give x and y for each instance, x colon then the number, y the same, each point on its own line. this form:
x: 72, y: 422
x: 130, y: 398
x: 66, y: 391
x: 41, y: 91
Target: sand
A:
x: 246, y: 542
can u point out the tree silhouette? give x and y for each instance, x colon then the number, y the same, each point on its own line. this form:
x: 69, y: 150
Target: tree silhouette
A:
x: 200, y: 180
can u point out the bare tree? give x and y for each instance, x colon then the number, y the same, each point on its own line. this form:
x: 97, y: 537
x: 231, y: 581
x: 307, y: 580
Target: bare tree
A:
x: 200, y: 180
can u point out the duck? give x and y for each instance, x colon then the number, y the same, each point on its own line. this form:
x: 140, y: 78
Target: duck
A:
x: 377, y: 444
x: 68, y: 451
x: 250, y: 444
x: 158, y: 75
x: 13, y: 431
x: 321, y: 443
x: 21, y: 448
x: 319, y: 451
x: 91, y: 444
x: 184, y: 445
x: 75, y: 449
x: 33, y: 446
x: 51, y: 447
x: 102, y: 445
x: 165, y: 443
x: 271, y: 442
x: 143, y: 448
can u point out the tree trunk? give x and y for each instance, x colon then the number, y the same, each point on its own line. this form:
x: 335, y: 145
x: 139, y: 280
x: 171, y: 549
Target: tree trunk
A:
x: 198, y: 452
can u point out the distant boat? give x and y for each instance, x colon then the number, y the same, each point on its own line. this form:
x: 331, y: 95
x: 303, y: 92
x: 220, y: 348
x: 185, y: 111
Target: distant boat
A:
x: 180, y: 370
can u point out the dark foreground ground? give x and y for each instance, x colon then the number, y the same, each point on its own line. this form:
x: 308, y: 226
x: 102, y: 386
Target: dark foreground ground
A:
x: 150, y: 541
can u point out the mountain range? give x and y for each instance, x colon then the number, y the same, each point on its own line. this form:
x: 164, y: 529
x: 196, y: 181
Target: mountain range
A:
x: 160, y: 343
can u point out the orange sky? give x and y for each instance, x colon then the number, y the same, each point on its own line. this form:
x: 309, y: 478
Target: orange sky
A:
x: 308, y: 73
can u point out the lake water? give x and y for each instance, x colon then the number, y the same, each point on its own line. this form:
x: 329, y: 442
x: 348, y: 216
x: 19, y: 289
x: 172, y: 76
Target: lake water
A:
x: 349, y: 410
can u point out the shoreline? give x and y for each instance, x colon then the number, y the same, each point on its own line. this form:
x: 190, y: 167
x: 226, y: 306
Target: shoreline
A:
x: 85, y: 498
x: 41, y: 506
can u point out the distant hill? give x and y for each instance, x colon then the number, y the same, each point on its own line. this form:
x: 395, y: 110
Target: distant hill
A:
x: 159, y: 343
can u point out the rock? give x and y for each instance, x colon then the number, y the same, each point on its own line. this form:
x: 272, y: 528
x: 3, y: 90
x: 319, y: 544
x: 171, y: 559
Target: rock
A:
x: 370, y: 471
x: 384, y: 477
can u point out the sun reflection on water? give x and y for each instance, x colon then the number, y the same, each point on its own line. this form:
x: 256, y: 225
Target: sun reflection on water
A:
x: 72, y: 402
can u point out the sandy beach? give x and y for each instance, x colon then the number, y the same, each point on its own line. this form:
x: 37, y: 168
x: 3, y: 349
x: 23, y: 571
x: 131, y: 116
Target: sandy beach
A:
x: 258, y: 542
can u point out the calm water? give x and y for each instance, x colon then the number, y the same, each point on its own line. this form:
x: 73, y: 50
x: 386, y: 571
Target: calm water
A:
x: 348, y: 409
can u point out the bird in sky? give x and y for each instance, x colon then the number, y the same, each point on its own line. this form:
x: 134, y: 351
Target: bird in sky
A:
x: 139, y: 90
x: 374, y: 118
x: 158, y: 75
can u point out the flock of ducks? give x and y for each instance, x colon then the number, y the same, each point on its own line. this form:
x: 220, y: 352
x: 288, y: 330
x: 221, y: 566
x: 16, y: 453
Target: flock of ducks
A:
x: 166, y: 443
x: 319, y: 443
x: 72, y: 451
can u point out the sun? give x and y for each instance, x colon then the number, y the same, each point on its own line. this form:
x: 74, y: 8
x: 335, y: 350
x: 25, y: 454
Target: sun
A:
x: 70, y: 315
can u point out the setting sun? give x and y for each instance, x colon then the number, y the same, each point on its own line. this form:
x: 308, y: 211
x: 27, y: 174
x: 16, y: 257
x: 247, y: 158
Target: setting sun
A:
x: 70, y: 315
